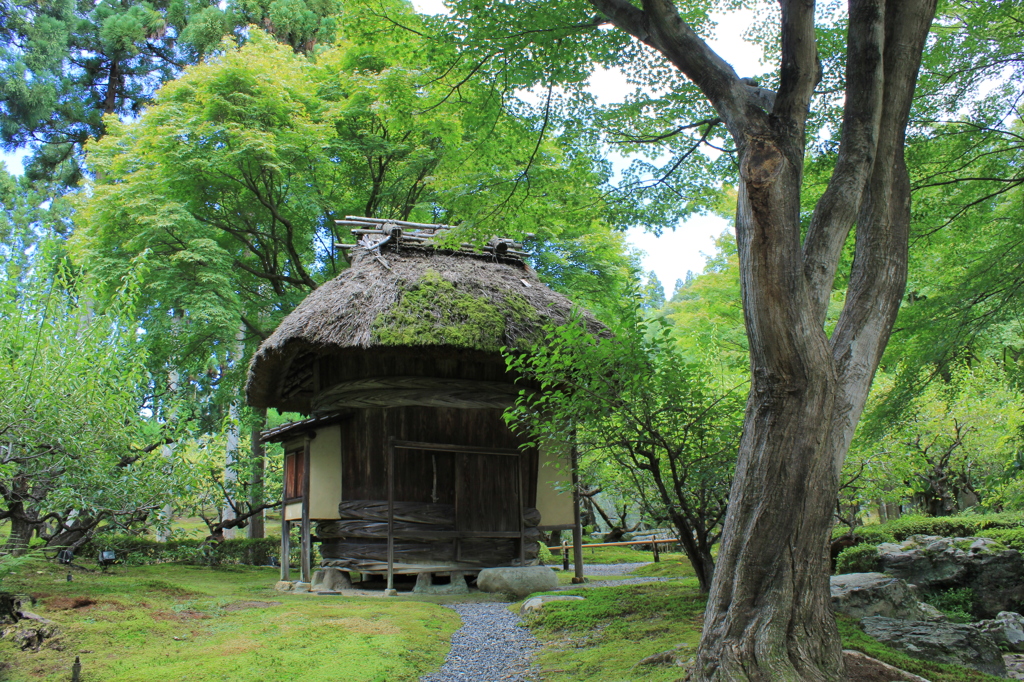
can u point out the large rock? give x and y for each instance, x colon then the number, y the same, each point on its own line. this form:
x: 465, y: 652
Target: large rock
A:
x: 942, y: 642
x: 517, y: 581
x: 995, y: 574
x: 1006, y: 630
x: 860, y: 595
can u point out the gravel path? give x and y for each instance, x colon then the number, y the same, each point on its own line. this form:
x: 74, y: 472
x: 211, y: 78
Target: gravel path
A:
x: 612, y: 569
x: 491, y: 646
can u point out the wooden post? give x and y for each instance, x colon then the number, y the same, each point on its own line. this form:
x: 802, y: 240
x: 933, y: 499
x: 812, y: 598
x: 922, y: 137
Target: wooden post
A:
x: 577, y: 527
x: 390, y: 591
x: 565, y: 555
x: 286, y: 544
x: 306, y: 544
x: 522, y: 513
x: 657, y: 558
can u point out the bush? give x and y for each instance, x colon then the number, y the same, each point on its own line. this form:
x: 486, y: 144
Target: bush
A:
x: 996, y: 526
x: 139, y: 551
x: 862, y: 558
x: 957, y: 603
x: 1012, y: 538
x: 545, y: 555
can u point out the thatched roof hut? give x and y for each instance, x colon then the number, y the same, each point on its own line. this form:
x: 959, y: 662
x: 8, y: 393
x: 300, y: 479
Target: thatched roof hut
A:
x: 420, y: 312
x: 407, y: 466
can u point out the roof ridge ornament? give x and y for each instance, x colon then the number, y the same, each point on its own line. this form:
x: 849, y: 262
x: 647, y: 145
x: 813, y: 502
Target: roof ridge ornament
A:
x: 373, y: 233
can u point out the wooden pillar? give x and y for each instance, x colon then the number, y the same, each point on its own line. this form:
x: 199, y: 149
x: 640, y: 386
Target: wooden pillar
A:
x: 286, y: 545
x: 522, y: 512
x: 306, y: 544
x: 390, y: 591
x: 577, y: 527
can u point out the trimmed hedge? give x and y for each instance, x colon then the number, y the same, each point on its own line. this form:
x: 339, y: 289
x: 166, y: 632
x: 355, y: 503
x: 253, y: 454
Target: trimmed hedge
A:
x: 1008, y: 524
x: 862, y: 558
x: 136, y: 550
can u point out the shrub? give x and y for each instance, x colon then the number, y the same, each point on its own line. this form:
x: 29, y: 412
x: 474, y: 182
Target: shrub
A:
x: 957, y: 603
x: 545, y: 555
x: 862, y: 558
x: 997, y: 526
x: 1012, y: 538
x: 139, y: 551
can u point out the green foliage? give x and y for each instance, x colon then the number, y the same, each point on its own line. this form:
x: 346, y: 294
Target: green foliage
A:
x: 1011, y: 538
x: 139, y: 551
x: 73, y: 383
x: 957, y: 603
x: 706, y: 312
x: 545, y: 555
x: 1008, y: 528
x: 862, y: 558
x: 433, y: 311
x: 634, y: 404
x: 950, y: 448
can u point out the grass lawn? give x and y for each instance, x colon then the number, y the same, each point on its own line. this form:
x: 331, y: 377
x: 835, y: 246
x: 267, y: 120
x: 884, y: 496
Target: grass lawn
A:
x: 172, y: 622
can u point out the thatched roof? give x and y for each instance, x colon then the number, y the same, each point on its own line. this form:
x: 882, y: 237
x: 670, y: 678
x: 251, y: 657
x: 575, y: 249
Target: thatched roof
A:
x: 410, y: 301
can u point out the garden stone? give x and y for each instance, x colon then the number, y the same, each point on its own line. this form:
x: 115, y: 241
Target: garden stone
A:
x: 994, y: 574
x: 860, y: 595
x: 536, y: 604
x: 1006, y: 630
x: 284, y: 586
x: 517, y: 581
x: 456, y: 585
x: 941, y: 642
x: 330, y: 580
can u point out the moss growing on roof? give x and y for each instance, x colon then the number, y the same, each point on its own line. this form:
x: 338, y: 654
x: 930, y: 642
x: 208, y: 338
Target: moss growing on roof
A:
x: 433, y: 311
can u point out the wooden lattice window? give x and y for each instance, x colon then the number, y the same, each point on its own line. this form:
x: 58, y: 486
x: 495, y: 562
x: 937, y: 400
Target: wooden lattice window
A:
x: 294, y: 473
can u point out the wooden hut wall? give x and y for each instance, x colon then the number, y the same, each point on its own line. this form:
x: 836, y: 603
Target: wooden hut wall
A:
x: 427, y: 492
x: 364, y: 442
x: 446, y: 363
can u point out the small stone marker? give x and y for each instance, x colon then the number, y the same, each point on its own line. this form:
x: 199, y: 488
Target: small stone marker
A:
x: 536, y: 604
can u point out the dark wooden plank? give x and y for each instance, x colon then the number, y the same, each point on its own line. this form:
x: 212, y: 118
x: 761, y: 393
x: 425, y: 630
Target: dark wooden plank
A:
x: 466, y: 449
x: 391, y: 515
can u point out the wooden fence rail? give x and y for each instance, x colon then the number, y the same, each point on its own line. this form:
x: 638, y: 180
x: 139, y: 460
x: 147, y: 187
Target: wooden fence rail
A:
x: 564, y: 548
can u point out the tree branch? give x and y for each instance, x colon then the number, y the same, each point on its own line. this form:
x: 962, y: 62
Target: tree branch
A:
x: 836, y: 210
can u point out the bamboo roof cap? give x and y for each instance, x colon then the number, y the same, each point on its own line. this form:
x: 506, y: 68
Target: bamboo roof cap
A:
x: 407, y: 297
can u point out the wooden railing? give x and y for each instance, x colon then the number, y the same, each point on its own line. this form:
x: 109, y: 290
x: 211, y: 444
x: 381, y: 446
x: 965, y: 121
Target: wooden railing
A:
x: 564, y: 548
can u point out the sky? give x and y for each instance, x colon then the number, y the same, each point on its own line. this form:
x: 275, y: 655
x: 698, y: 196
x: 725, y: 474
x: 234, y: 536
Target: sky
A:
x: 677, y: 251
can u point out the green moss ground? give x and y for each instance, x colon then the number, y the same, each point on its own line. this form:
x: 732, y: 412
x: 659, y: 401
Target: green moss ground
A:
x: 605, y: 636
x: 172, y: 622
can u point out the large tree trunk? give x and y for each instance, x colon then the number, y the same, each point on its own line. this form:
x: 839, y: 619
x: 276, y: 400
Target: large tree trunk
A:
x: 256, y: 490
x: 768, y: 615
x: 21, y: 531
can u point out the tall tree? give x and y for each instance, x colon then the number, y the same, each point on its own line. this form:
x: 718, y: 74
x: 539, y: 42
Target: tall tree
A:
x: 768, y: 615
x: 73, y: 383
x: 66, y: 64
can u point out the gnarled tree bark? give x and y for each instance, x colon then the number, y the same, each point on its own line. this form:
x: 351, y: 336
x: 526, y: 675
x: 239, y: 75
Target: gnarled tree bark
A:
x: 768, y: 615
